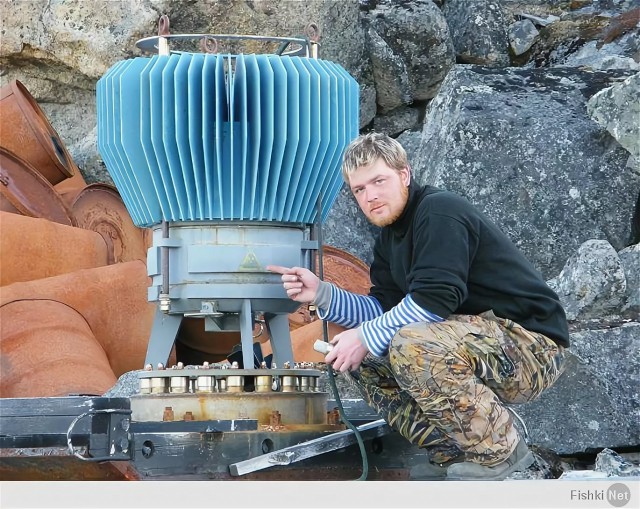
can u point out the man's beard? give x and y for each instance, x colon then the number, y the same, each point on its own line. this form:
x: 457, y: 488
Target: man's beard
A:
x: 392, y: 218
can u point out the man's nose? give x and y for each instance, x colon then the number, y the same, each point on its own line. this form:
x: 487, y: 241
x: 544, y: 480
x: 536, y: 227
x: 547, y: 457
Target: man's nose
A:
x: 371, y: 193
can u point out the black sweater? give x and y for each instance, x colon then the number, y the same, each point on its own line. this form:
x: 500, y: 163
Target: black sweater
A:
x: 453, y: 260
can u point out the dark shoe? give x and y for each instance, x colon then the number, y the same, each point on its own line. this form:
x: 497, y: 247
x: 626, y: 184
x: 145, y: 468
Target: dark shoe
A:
x: 520, y: 459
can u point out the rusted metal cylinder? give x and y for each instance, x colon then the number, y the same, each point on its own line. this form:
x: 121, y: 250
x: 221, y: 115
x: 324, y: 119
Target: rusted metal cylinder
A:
x: 30, y: 135
x: 72, y: 184
x: 33, y: 248
x: 99, y: 207
x: 113, y: 301
x: 48, y: 349
x: 302, y: 340
x: 24, y: 190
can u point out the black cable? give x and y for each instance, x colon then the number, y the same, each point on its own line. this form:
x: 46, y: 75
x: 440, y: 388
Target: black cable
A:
x: 330, y: 373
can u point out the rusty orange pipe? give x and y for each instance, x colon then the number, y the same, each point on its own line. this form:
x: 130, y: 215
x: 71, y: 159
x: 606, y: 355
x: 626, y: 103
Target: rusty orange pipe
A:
x: 302, y: 340
x: 48, y: 349
x: 112, y: 300
x: 32, y: 248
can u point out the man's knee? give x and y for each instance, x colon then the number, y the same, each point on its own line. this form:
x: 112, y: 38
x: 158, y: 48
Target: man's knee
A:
x: 423, y: 338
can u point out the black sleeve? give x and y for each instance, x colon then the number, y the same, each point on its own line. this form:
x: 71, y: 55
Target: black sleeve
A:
x: 444, y: 246
x: 383, y: 287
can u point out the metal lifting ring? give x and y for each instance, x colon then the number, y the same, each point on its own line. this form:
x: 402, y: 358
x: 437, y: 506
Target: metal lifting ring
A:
x: 163, y: 25
x: 312, y: 31
x: 208, y: 44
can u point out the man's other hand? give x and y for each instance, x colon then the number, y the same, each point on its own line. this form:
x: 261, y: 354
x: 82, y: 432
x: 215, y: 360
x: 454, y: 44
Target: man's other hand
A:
x: 348, y: 351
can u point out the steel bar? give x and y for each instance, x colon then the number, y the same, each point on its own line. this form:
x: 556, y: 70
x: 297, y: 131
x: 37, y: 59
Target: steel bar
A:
x: 309, y: 449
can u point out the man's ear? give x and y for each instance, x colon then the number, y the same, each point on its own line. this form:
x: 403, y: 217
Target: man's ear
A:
x: 405, y: 174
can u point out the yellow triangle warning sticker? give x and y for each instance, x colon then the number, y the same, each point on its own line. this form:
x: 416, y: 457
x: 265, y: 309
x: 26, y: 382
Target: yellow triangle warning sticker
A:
x: 250, y: 263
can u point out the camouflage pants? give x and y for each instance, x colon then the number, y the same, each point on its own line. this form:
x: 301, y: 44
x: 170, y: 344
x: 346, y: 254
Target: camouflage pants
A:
x: 442, y: 384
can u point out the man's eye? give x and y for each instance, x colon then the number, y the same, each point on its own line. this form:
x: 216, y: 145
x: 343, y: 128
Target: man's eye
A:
x: 357, y: 191
x: 379, y: 181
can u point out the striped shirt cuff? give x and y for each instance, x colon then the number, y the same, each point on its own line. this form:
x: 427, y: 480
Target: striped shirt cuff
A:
x: 350, y: 309
x: 379, y: 332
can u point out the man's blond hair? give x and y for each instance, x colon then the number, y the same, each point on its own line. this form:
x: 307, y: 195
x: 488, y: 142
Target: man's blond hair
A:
x: 368, y: 148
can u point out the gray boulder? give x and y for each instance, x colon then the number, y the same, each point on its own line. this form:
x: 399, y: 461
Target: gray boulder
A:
x: 617, y: 109
x: 479, y: 31
x: 522, y: 35
x: 595, y: 403
x: 410, y: 49
x: 630, y: 260
x: 592, y: 284
x: 397, y: 121
x: 519, y: 144
x: 609, y: 56
x: 347, y: 227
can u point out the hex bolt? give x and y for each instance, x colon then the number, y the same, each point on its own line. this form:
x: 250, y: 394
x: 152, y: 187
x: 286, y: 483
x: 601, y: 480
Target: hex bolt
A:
x: 123, y: 444
x: 188, y: 416
x: 180, y: 365
x: 204, y: 384
x: 305, y: 386
x: 158, y: 385
x: 235, y: 383
x: 275, y: 419
x: 168, y: 414
x: 160, y: 366
x: 222, y: 384
x: 333, y: 417
x: 145, y: 386
x: 264, y: 383
x: 289, y: 383
x: 235, y: 365
x: 179, y: 384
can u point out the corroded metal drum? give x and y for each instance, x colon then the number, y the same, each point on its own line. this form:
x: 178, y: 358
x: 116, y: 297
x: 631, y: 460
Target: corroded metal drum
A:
x: 25, y: 190
x: 57, y: 249
x: 31, y: 137
x: 99, y: 208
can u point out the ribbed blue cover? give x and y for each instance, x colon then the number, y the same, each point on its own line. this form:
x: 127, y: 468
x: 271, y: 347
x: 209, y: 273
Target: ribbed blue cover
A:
x: 193, y: 137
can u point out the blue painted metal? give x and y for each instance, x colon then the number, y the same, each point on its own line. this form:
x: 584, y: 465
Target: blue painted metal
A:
x: 193, y: 137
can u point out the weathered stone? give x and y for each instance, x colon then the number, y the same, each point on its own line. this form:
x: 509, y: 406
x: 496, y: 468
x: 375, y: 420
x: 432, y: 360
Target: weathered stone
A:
x: 592, y: 284
x: 390, y: 74
x: 630, y: 260
x: 479, y: 32
x: 417, y: 45
x: 609, y: 56
x: 595, y: 402
x: 347, y: 227
x: 411, y: 142
x: 614, y: 465
x: 519, y: 145
x: 396, y: 121
x: 522, y: 35
x: 85, y: 155
x: 562, y: 38
x: 617, y: 109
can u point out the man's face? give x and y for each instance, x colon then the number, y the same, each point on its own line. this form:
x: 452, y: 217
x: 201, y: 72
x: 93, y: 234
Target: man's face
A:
x: 381, y: 191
